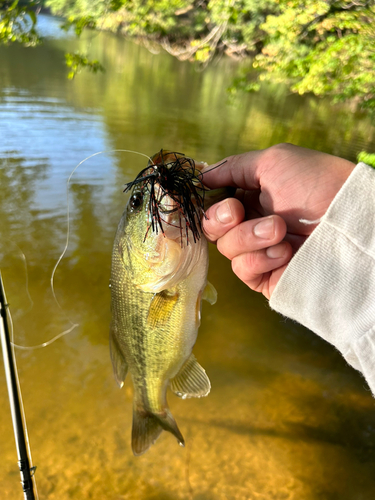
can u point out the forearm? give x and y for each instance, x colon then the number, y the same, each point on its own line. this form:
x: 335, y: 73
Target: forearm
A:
x: 329, y: 285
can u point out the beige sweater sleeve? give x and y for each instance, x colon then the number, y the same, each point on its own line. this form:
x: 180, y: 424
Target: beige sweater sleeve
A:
x: 329, y: 285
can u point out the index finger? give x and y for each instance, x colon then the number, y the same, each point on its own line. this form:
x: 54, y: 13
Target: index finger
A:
x: 240, y: 171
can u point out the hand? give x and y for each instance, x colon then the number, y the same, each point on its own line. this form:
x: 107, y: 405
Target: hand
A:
x: 260, y: 229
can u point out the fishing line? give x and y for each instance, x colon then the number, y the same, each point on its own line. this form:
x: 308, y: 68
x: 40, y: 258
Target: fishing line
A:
x: 190, y: 490
x: 24, y: 260
x: 25, y: 348
x: 31, y: 302
x: 68, y: 215
x: 48, y: 342
x: 201, y: 174
x: 73, y: 325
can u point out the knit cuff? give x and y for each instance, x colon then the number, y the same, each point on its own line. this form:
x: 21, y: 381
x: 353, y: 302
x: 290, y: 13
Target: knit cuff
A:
x: 329, y: 285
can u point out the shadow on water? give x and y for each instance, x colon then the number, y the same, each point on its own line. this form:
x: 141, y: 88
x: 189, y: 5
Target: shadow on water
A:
x: 355, y: 433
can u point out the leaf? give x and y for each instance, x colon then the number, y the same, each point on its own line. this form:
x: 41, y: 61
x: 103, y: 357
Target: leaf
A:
x: 78, y: 61
x: 32, y: 16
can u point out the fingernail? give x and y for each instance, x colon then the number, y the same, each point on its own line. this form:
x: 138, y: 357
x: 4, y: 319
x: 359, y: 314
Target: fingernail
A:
x: 224, y: 213
x: 265, y: 229
x: 276, y: 251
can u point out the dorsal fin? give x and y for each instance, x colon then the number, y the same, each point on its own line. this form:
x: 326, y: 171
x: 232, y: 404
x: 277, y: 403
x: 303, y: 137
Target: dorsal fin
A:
x: 191, y: 381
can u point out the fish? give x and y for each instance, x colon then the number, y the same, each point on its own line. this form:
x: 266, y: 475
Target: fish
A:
x: 158, y: 280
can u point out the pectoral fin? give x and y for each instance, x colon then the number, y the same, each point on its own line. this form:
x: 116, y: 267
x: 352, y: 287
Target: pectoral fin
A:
x: 191, y: 381
x: 120, y: 366
x: 210, y: 293
x: 161, y: 308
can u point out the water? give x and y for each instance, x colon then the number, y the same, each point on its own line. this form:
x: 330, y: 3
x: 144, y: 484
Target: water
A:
x: 286, y: 418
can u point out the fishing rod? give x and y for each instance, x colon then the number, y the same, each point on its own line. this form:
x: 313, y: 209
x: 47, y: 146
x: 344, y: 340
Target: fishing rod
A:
x: 26, y: 472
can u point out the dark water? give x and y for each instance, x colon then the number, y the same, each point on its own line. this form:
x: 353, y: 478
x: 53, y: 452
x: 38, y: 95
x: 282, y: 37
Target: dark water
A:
x: 286, y: 418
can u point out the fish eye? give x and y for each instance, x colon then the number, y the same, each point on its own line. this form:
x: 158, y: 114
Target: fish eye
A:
x: 135, y: 201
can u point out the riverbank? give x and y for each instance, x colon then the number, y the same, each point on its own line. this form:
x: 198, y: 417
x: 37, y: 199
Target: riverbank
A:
x: 184, y: 31
x: 312, y: 47
x: 181, y: 35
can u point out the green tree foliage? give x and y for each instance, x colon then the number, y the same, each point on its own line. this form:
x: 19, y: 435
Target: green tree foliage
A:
x: 189, y: 29
x: 326, y: 47
x: 79, y: 24
x: 77, y: 61
x: 78, y: 8
x: 18, y: 22
x: 323, y: 47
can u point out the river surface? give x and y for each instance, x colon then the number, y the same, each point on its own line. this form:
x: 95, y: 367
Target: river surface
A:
x: 287, y: 418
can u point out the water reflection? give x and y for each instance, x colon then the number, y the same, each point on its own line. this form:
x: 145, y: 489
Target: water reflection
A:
x: 286, y: 418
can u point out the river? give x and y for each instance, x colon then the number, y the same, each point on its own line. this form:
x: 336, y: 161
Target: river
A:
x: 287, y: 418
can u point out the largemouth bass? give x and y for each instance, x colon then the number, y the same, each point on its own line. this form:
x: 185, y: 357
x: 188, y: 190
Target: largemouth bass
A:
x: 158, y: 279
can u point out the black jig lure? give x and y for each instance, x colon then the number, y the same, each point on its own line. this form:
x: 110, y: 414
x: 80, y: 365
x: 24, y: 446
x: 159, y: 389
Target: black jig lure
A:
x: 177, y: 178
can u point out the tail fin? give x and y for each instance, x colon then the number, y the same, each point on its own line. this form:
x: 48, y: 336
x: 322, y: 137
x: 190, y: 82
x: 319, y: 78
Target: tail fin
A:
x: 148, y: 426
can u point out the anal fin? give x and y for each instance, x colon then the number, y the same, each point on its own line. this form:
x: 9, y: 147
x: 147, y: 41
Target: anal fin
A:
x: 191, y: 381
